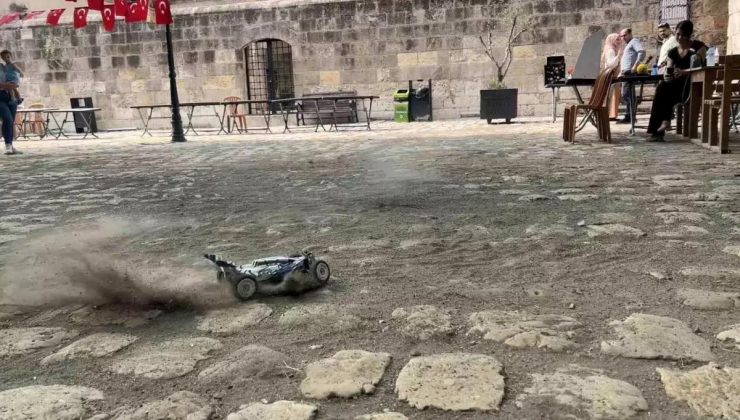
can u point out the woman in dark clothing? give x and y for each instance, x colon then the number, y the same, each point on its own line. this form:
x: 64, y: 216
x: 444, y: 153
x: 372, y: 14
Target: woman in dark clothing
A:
x: 674, y: 88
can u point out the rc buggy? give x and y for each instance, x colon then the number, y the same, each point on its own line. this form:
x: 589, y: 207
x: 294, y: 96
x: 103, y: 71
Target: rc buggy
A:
x: 272, y: 276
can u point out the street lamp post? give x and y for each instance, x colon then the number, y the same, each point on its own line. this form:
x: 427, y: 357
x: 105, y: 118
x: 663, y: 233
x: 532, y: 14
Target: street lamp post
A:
x: 178, y: 136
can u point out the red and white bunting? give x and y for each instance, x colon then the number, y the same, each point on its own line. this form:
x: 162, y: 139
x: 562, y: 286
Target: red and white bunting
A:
x: 31, y: 15
x: 109, y: 17
x: 53, y: 17
x: 162, y: 12
x: 10, y: 17
x: 131, y: 10
x: 80, y: 18
x: 121, y: 8
x: 95, y: 4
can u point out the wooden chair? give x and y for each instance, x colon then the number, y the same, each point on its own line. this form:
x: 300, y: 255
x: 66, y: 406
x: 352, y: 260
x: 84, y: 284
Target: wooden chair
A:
x: 595, y: 107
x: 234, y: 116
x: 722, y: 106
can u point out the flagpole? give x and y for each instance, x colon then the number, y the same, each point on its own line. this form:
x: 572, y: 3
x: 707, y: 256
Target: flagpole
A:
x: 178, y: 136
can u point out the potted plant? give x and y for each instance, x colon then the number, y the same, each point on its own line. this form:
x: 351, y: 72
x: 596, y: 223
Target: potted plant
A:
x: 500, y: 102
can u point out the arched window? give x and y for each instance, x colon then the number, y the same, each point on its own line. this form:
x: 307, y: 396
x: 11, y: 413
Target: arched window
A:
x: 269, y: 71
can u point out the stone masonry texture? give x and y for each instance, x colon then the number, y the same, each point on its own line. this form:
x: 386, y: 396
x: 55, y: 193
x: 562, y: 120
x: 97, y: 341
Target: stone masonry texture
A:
x: 733, y: 28
x: 370, y: 46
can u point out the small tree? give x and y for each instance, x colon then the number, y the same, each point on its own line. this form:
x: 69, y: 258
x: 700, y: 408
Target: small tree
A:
x: 511, y: 23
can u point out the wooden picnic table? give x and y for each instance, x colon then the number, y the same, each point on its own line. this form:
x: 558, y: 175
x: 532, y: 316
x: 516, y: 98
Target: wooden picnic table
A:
x: 313, y: 105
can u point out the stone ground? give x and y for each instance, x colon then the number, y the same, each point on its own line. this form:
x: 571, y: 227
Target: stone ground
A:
x: 477, y: 268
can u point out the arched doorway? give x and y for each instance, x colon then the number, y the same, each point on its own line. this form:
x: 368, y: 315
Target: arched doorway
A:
x: 269, y: 72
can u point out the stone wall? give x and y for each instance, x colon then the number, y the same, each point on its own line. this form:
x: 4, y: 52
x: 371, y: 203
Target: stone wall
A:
x: 733, y: 28
x: 372, y: 46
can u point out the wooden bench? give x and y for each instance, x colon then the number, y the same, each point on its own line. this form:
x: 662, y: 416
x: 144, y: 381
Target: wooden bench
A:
x: 319, y: 108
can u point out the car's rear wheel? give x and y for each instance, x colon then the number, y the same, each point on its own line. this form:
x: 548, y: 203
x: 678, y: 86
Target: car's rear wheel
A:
x: 322, y: 272
x: 245, y: 288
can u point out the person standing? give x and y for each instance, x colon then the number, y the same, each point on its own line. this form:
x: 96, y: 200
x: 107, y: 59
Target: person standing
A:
x: 669, y: 42
x: 610, y: 57
x: 8, y: 108
x: 633, y: 55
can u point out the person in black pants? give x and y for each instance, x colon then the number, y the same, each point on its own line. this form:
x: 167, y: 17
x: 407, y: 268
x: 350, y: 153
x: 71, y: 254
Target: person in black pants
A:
x: 7, y: 111
x: 674, y: 89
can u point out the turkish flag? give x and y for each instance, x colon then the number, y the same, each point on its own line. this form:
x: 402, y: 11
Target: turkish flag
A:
x: 109, y: 17
x: 53, y: 17
x: 133, y: 14
x: 121, y: 8
x: 162, y: 12
x: 95, y: 4
x: 9, y: 18
x: 80, y: 19
x: 31, y: 15
x: 143, y: 8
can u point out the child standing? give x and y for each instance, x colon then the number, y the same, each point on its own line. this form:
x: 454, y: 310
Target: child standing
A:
x: 12, y: 75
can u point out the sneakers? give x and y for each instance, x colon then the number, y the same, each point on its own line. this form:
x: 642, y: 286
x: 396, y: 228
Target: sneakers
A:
x: 10, y: 150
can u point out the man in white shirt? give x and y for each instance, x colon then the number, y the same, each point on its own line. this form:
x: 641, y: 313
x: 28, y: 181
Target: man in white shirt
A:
x: 669, y: 42
x: 633, y: 55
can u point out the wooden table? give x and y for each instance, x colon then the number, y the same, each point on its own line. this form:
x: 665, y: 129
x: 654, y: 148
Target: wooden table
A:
x: 573, y: 83
x: 632, y: 81
x: 699, y: 91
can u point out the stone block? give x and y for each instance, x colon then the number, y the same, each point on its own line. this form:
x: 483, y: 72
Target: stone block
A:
x: 330, y: 78
x: 429, y: 57
x: 58, y: 90
x: 138, y: 86
x: 117, y: 62
x: 407, y: 59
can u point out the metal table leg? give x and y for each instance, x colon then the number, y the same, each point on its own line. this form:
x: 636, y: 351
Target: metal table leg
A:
x: 60, y: 128
x: 554, y: 106
x: 88, y: 129
x: 632, y: 103
x: 146, y: 121
x: 266, y: 116
x: 190, y: 113
x: 221, y: 119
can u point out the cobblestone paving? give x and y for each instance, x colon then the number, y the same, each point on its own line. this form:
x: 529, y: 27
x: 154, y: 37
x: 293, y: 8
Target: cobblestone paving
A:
x: 489, y: 269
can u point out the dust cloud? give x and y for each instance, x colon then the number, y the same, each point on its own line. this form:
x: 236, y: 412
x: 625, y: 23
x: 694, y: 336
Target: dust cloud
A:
x: 89, y: 264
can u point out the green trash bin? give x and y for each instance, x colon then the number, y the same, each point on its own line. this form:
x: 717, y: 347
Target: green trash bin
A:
x: 401, y: 106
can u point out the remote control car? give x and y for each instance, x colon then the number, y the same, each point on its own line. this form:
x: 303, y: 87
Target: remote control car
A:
x: 272, y: 276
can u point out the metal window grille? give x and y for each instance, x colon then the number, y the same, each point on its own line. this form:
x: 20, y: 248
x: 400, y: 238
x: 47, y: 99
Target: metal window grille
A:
x: 269, y: 73
x: 674, y: 11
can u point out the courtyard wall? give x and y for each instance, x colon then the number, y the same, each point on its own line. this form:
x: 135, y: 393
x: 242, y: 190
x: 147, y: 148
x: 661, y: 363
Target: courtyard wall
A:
x: 371, y: 46
x: 733, y: 28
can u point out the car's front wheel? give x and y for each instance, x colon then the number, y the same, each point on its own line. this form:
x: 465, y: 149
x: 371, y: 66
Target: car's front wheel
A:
x: 245, y: 288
